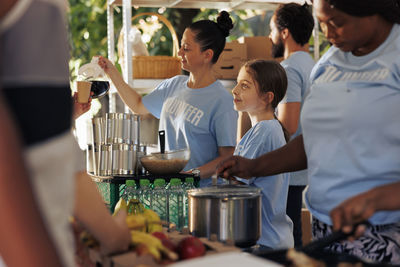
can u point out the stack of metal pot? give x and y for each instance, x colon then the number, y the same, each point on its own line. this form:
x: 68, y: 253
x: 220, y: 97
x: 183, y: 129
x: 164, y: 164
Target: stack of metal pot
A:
x: 115, y: 145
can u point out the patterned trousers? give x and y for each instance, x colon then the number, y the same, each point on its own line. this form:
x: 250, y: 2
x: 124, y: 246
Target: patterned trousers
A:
x: 379, y: 243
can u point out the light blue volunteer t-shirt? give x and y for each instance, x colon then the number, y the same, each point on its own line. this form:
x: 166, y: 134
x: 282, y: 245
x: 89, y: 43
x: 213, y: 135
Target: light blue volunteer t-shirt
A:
x: 351, y: 127
x: 262, y: 138
x: 204, y: 117
x: 298, y: 69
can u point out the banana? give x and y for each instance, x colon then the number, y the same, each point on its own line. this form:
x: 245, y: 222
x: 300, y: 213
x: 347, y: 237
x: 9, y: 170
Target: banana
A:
x: 135, y: 207
x: 136, y: 222
x: 155, y: 253
x: 153, y: 243
x: 153, y: 221
x: 143, y: 249
x: 121, y: 205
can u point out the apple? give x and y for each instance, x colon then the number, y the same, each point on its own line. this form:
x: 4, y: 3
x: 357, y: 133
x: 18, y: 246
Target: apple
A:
x: 169, y: 244
x: 160, y: 235
x: 191, y: 247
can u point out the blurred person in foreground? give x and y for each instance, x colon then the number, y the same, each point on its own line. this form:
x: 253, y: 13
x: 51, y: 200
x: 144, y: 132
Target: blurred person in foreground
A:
x: 350, y: 142
x: 41, y: 167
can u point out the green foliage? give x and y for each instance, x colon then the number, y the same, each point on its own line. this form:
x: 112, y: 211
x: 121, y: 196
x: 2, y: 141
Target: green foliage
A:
x: 324, y: 44
x: 88, y: 31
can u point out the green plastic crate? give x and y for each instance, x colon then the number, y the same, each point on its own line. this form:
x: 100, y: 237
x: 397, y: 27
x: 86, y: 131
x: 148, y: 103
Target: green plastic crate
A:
x: 112, y: 188
x: 111, y: 193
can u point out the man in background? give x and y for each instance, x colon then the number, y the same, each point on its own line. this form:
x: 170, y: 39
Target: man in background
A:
x: 291, y: 28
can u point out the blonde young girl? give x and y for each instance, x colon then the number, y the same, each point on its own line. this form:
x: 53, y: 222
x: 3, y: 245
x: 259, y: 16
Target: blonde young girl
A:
x: 261, y: 85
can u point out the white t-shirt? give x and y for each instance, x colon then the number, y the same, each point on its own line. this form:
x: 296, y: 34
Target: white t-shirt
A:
x: 351, y: 127
x: 204, y: 118
x: 276, y: 231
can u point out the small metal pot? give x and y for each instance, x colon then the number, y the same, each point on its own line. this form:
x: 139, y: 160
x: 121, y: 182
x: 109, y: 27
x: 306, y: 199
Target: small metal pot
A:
x: 122, y: 128
x: 89, y: 159
x: 123, y: 159
x: 98, y: 131
x: 105, y: 160
x: 231, y: 212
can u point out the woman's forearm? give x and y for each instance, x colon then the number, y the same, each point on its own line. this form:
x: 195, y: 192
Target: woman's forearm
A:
x: 208, y: 169
x: 288, y: 158
x: 386, y: 197
x: 130, y: 97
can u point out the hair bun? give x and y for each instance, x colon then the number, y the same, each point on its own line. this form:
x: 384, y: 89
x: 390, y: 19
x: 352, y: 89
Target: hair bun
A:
x: 224, y: 22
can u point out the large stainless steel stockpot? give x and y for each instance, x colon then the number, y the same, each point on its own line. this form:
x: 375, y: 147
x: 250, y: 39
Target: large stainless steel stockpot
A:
x: 232, y: 212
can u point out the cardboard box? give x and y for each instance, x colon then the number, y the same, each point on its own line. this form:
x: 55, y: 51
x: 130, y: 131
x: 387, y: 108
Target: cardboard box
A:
x: 257, y: 47
x: 234, y: 50
x: 306, y: 226
x: 228, y: 69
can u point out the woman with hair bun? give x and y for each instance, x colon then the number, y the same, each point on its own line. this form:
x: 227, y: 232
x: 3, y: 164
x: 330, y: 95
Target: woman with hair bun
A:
x: 196, y: 109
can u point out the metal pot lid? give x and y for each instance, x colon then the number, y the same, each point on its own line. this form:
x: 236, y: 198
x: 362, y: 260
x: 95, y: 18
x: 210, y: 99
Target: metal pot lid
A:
x: 226, y: 191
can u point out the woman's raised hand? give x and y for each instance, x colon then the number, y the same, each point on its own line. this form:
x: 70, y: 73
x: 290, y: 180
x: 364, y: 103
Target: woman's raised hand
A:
x: 105, y: 64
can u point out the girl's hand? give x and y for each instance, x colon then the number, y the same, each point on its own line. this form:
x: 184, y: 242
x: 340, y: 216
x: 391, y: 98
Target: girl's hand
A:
x: 81, y: 108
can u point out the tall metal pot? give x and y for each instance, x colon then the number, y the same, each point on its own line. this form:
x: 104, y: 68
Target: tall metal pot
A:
x: 232, y: 212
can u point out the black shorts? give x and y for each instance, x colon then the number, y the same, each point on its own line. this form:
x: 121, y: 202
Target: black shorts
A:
x: 40, y: 112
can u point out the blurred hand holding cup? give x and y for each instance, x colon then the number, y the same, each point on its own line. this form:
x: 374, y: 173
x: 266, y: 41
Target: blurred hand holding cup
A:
x: 83, y: 91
